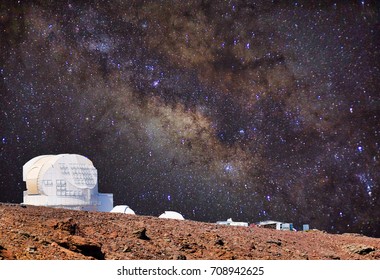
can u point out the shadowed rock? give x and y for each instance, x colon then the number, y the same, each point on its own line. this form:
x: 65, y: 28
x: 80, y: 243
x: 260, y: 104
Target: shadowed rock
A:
x: 141, y: 234
x: 83, y: 246
x: 277, y: 242
x: 360, y: 249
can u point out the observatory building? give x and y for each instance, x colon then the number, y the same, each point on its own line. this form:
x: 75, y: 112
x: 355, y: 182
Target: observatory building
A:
x: 276, y: 225
x: 229, y: 222
x: 123, y: 209
x: 64, y: 181
x: 171, y: 215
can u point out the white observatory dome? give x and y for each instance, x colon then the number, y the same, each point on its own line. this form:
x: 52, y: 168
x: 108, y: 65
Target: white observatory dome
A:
x: 171, y: 215
x: 123, y: 209
x: 65, y: 180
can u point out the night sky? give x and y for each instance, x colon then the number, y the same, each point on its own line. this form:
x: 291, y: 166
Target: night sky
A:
x: 249, y: 110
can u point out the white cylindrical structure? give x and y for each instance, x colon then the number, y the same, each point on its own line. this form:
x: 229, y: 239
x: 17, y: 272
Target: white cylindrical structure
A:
x: 64, y: 180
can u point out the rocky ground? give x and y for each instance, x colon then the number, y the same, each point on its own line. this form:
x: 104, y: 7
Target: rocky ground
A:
x: 30, y: 232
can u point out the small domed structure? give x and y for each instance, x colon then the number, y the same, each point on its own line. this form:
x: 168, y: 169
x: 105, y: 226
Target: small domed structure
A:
x: 171, y: 215
x: 123, y: 209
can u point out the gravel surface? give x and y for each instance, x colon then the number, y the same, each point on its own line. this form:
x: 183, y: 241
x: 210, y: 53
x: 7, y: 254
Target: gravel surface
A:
x: 31, y: 232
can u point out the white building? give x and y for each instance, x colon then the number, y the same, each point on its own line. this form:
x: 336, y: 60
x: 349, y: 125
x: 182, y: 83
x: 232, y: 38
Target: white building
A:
x: 276, y: 225
x: 64, y: 181
x: 123, y: 209
x: 229, y: 222
x: 171, y: 215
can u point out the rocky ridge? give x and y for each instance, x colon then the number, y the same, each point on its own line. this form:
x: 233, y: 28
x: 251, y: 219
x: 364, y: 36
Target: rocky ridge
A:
x: 43, y: 233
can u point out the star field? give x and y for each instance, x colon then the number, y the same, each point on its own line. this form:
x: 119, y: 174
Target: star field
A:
x: 248, y: 110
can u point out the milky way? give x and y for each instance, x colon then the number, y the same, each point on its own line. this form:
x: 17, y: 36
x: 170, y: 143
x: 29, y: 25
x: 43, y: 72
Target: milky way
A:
x: 249, y: 110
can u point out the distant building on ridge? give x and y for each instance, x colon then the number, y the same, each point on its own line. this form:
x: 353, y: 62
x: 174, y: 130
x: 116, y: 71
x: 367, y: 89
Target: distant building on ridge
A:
x: 123, y: 209
x: 171, y: 215
x: 275, y: 225
x: 230, y: 222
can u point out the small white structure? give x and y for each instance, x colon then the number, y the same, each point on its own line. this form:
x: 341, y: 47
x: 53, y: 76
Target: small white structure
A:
x: 229, y: 222
x: 64, y: 181
x: 276, y: 225
x: 123, y: 209
x: 171, y: 215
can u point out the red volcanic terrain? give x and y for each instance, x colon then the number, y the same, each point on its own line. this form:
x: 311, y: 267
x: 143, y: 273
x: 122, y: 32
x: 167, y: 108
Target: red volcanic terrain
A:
x: 42, y: 233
